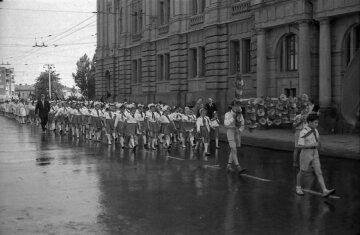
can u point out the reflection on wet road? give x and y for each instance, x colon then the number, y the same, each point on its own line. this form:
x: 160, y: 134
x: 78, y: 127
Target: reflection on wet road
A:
x: 56, y: 185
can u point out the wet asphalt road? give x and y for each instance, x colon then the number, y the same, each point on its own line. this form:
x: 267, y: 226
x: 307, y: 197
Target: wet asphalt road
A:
x: 51, y: 184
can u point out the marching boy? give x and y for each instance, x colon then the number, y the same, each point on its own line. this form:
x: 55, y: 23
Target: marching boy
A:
x: 309, y: 156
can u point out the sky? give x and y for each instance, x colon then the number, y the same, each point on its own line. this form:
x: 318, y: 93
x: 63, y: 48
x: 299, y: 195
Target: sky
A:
x: 67, y: 28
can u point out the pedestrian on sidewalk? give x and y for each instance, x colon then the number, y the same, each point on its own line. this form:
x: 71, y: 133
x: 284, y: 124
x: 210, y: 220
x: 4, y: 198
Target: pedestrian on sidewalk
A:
x: 234, y: 122
x: 309, y: 156
x: 43, y: 108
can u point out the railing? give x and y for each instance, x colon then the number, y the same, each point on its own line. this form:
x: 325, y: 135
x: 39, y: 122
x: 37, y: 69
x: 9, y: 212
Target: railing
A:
x: 163, y: 29
x: 196, y: 19
x: 240, y: 8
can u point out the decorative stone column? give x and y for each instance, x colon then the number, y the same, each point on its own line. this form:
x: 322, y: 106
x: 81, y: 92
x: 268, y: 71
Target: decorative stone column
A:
x: 325, y: 64
x: 304, y: 58
x: 261, y: 84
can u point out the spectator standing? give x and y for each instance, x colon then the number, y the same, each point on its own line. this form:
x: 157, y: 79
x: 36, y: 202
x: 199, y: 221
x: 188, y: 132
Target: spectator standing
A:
x: 210, y: 108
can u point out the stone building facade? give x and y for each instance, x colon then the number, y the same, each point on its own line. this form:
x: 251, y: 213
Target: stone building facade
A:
x: 177, y: 51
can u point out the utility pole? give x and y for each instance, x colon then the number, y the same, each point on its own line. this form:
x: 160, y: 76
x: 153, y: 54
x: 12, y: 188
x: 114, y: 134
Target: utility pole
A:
x: 50, y: 67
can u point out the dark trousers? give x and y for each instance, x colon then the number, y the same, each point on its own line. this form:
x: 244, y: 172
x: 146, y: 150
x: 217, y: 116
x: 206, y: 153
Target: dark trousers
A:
x: 44, y: 121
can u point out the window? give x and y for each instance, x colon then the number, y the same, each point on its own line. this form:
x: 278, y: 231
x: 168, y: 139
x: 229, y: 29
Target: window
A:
x: 134, y: 71
x: 164, y: 11
x: 163, y: 67
x: 167, y: 66
x: 234, y: 57
x: 160, y: 67
x: 107, y: 78
x: 194, y: 7
x: 140, y: 13
x: 135, y: 22
x: 121, y: 21
x: 351, y: 43
x: 246, y: 56
x: 139, y: 71
x: 193, y: 63
x: 198, y: 6
x: 202, y: 4
x: 137, y: 16
x: 202, y: 61
x: 289, y: 53
x: 290, y: 92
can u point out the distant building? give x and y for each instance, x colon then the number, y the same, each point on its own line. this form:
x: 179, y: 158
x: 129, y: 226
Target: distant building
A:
x: 7, y: 83
x: 24, y: 91
x: 182, y: 50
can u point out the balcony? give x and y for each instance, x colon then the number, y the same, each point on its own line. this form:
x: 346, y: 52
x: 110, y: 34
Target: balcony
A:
x: 163, y: 29
x: 197, y: 19
x: 239, y: 8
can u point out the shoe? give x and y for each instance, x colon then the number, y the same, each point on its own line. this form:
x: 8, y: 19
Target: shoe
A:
x: 327, y: 193
x: 207, y: 154
x: 299, y: 191
x: 229, y: 169
x: 217, y: 147
x: 240, y: 170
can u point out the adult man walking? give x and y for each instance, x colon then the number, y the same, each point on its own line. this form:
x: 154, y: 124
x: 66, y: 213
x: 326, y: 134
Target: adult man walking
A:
x: 210, y: 108
x: 43, y: 108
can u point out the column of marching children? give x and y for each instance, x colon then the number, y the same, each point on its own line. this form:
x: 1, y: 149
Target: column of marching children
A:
x: 129, y: 125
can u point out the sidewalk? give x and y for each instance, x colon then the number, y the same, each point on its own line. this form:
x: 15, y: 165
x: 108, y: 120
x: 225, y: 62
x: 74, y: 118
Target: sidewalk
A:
x: 341, y: 146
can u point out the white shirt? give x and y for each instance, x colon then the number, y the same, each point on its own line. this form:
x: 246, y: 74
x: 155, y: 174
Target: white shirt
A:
x: 200, y: 122
x: 214, y: 122
x: 305, y: 139
x: 176, y: 116
x: 189, y: 118
x: 131, y: 119
x: 229, y: 121
x: 140, y: 116
x: 165, y: 119
x: 152, y: 116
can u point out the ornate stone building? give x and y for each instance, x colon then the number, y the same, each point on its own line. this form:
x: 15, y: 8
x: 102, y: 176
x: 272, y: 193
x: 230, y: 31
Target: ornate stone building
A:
x: 177, y: 51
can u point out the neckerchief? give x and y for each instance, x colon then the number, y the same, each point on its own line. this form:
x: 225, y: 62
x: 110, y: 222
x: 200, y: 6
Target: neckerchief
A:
x: 167, y: 116
x: 312, y: 131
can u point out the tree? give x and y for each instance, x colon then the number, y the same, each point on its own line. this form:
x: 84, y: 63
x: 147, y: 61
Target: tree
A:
x: 85, y: 76
x: 42, y: 84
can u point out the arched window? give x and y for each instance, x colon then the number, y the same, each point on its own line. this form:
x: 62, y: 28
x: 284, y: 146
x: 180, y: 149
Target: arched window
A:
x: 351, y: 43
x: 288, y: 53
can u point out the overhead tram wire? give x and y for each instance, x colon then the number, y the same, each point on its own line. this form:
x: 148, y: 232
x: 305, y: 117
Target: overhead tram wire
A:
x: 46, y: 10
x: 77, y: 30
x: 71, y: 28
x: 34, y: 50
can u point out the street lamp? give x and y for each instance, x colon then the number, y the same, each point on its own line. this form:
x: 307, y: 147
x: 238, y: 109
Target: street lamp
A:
x: 49, y: 67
